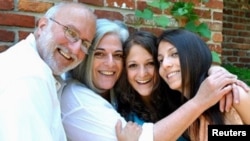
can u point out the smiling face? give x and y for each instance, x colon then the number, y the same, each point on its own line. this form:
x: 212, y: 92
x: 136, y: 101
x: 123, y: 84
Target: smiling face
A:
x: 170, y: 69
x: 107, y: 63
x: 54, y: 48
x: 140, y: 69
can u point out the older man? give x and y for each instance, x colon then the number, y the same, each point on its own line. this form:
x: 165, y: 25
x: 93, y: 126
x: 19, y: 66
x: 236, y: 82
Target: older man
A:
x: 29, y: 106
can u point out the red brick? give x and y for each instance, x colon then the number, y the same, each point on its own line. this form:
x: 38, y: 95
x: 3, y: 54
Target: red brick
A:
x: 238, y: 40
x: 247, y: 15
x: 227, y: 52
x: 244, y: 60
x: 230, y: 32
x: 33, y: 6
x: 141, y: 5
x: 217, y: 37
x: 232, y: 59
x: 3, y: 48
x: 242, y: 53
x: 218, y: 16
x: 226, y: 46
x: 93, y: 2
x: 215, y: 4
x: 238, y: 13
x: 227, y: 25
x: 124, y: 4
x: 17, y: 20
x: 227, y: 11
x: 233, y: 4
x: 109, y: 14
x: 6, y: 4
x: 239, y: 26
x: 22, y: 35
x: 215, y: 47
x: 244, y: 46
x: 215, y: 26
x: 7, y: 36
x: 204, y: 14
x: 156, y: 31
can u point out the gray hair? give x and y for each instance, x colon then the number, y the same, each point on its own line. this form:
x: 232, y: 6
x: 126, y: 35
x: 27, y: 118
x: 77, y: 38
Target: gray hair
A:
x: 84, y: 71
x: 51, y: 12
x: 56, y: 8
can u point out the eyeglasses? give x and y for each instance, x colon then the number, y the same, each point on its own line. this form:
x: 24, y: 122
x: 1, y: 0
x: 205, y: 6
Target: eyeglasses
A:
x: 73, y: 36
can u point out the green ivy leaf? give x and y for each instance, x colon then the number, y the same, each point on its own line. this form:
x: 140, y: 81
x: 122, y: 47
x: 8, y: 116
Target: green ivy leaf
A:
x: 165, y: 5
x: 181, y: 11
x: 162, y: 21
x: 184, y: 9
x: 216, y: 58
x: 138, y: 13
x: 155, y: 4
x: 162, y: 5
x: 178, y: 10
x: 191, y: 26
x: 145, y: 14
x: 203, y: 30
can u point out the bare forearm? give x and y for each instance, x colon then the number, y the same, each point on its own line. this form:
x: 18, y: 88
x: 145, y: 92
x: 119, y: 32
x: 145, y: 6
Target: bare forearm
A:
x: 243, y: 106
x: 171, y: 127
x: 212, y: 89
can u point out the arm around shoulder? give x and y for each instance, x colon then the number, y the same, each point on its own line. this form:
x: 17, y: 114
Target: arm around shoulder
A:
x: 87, y: 116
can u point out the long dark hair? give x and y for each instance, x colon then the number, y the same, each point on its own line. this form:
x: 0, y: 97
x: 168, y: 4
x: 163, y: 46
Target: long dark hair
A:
x: 195, y: 61
x: 128, y: 99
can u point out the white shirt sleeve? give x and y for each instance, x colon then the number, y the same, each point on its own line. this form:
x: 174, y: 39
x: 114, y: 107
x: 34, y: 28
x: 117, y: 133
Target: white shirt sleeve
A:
x: 147, y: 134
x: 29, y: 111
x: 87, y: 116
x: 29, y: 107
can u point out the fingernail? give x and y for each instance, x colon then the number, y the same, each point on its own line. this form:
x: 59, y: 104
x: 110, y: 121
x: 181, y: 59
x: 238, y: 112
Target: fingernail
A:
x: 222, y: 110
x: 236, y: 101
x: 234, y: 85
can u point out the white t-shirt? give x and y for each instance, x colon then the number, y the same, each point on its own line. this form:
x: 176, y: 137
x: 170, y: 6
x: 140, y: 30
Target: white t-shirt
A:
x: 87, y: 116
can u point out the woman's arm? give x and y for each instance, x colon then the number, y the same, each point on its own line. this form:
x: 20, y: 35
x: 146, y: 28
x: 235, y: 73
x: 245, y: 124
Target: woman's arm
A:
x: 212, y: 89
x: 243, y: 107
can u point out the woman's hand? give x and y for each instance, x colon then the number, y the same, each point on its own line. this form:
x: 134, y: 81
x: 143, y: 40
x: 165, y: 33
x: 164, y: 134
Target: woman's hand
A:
x: 214, y: 88
x: 233, y: 96
x: 131, y: 132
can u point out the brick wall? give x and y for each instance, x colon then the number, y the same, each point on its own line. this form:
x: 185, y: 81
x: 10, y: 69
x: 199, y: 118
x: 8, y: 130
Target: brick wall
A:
x: 18, y: 17
x: 236, y: 33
